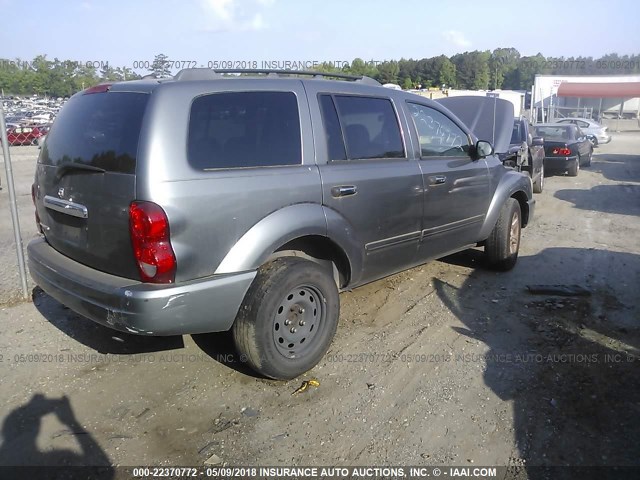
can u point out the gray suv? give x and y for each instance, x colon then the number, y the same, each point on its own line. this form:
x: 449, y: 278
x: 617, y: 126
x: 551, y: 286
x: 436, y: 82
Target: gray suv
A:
x: 209, y: 202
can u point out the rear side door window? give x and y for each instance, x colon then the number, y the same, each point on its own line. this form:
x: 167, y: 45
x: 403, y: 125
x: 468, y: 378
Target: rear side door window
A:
x: 244, y: 129
x: 439, y: 136
x: 367, y: 128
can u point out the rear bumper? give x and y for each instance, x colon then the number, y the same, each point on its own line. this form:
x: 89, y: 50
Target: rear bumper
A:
x: 558, y: 163
x: 198, y: 306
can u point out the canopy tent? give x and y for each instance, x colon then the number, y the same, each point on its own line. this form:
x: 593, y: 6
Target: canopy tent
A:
x: 599, y: 90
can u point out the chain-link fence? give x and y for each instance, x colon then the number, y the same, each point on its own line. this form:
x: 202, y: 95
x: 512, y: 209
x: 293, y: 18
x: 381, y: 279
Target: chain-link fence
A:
x: 20, y: 145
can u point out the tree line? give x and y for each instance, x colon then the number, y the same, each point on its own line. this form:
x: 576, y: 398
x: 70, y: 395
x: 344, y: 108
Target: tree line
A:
x: 502, y: 68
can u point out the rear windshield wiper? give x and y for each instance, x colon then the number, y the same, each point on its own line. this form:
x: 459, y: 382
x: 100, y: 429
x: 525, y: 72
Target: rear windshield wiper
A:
x: 62, y: 170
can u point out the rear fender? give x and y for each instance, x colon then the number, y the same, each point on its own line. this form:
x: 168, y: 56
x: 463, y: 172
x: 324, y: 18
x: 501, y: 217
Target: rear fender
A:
x: 256, y: 246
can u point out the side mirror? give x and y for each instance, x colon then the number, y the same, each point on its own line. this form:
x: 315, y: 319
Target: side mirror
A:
x: 483, y: 149
x: 537, y: 141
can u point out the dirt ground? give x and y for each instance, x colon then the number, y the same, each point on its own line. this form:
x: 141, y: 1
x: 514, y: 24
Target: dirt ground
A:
x: 445, y: 364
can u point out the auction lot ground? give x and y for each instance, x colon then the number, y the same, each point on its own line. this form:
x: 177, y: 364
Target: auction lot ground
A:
x: 446, y: 364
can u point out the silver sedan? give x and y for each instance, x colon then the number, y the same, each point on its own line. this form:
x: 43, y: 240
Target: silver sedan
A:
x: 599, y: 133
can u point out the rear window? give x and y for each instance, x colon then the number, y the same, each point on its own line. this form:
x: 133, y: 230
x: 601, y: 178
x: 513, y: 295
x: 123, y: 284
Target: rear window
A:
x: 99, y: 129
x: 244, y: 129
x: 554, y: 133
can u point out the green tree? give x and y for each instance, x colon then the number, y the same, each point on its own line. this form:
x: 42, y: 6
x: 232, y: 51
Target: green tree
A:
x: 502, y: 62
x: 447, y: 73
x: 388, y: 72
x: 527, y: 69
x: 160, y: 67
x: 472, y: 69
x: 110, y: 74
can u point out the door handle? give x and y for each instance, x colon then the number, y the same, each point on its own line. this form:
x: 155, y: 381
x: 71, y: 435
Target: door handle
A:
x: 344, y: 191
x: 437, y: 180
x: 64, y: 206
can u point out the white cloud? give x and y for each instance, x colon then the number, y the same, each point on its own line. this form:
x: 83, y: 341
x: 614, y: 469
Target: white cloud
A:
x: 233, y: 15
x: 222, y: 9
x: 457, y: 38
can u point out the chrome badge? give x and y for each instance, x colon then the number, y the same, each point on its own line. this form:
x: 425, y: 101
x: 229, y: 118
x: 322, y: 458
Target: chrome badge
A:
x: 61, y: 192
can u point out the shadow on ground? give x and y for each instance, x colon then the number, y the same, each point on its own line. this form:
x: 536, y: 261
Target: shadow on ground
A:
x: 78, y: 448
x: 619, y: 199
x: 568, y: 364
x: 617, y: 167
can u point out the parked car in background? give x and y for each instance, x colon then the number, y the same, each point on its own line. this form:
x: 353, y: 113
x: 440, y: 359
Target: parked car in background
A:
x: 566, y: 147
x: 289, y: 190
x: 591, y: 128
x: 25, y: 135
x: 526, y: 153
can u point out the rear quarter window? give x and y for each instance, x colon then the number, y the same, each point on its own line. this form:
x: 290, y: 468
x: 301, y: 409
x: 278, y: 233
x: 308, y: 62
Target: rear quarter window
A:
x: 244, y: 129
x: 99, y: 129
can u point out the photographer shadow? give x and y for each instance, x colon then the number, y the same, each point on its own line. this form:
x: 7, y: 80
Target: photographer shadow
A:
x: 566, y: 364
x: 19, y: 448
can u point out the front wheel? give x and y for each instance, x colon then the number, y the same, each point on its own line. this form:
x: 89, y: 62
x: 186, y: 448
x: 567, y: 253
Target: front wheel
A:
x: 288, y: 318
x: 503, y: 244
x: 538, y: 185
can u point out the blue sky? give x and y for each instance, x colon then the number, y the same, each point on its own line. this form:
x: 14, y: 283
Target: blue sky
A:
x: 122, y: 32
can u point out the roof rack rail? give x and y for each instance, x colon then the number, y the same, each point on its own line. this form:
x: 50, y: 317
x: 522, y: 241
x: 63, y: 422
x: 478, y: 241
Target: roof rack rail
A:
x: 209, y: 74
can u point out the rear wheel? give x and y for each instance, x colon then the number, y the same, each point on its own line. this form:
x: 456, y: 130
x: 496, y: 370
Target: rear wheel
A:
x: 503, y: 244
x: 288, y: 318
x: 574, y: 168
x: 538, y: 185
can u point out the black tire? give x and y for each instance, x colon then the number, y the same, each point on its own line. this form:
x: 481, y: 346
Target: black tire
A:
x: 575, y: 168
x: 503, y: 244
x: 538, y: 185
x: 293, y: 290
x: 587, y: 162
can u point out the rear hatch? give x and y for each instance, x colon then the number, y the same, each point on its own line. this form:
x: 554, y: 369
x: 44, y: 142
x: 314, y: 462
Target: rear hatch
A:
x: 85, y: 179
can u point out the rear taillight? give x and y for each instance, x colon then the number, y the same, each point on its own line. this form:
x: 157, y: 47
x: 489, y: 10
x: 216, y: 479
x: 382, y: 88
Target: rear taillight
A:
x: 33, y: 197
x: 149, y: 230
x: 562, y: 151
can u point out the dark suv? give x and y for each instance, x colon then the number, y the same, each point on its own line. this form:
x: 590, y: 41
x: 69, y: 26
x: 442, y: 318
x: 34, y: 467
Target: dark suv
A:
x: 209, y: 202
